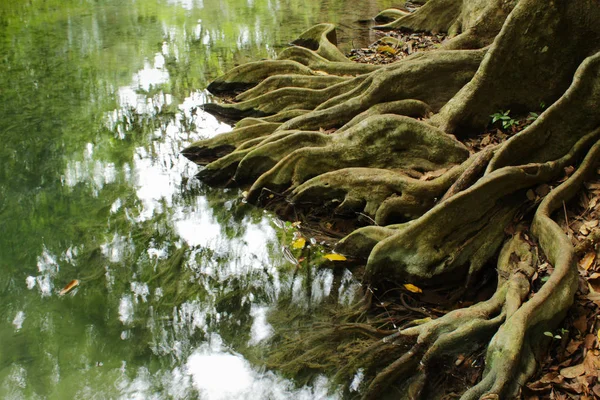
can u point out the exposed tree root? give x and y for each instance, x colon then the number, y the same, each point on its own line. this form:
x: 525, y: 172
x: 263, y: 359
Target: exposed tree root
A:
x: 463, y: 330
x: 388, y: 141
x: 381, y: 141
x: 386, y: 196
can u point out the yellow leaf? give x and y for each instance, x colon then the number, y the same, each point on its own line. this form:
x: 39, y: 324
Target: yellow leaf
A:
x: 588, y: 260
x: 245, y: 194
x: 299, y: 243
x: 386, y: 49
x: 335, y: 257
x: 412, y: 288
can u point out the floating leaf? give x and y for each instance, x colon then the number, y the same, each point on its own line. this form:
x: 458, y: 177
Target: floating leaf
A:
x: 70, y: 286
x: 299, y: 243
x: 588, y: 260
x: 412, y: 288
x: 335, y: 257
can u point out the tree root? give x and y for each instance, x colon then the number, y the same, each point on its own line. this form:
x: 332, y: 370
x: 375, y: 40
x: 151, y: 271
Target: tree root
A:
x: 206, y: 151
x: 314, y: 53
x: 511, y: 355
x: 389, y: 141
x: 386, y: 196
x: 462, y: 330
x: 431, y: 77
x: 330, y: 133
x: 438, y: 246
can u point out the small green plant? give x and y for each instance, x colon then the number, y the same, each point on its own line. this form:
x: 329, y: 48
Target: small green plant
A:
x: 505, y: 119
x: 556, y: 337
x: 532, y: 117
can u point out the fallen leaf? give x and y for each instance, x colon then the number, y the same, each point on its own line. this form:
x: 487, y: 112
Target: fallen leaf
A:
x: 594, y: 282
x: 412, y: 288
x: 299, y: 243
x: 587, y: 260
x: 589, y: 341
x: 70, y: 286
x: 574, y: 371
x: 573, y: 345
x: 591, y: 363
x: 596, y: 389
x: 542, y: 190
x: 386, y: 49
x: 335, y: 257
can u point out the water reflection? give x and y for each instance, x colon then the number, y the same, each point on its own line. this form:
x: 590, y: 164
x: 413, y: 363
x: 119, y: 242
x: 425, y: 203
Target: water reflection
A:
x: 98, y: 98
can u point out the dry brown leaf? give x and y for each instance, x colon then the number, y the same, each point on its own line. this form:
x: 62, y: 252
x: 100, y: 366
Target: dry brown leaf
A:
x: 591, y: 363
x: 588, y: 260
x: 574, y: 371
x: 594, y: 222
x: 574, y: 345
x: 596, y: 389
x: 589, y: 341
x: 594, y: 282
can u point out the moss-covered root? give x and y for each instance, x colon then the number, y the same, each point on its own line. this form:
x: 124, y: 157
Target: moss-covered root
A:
x: 434, y: 16
x: 386, y: 196
x: 545, y: 47
x: 283, y: 99
x: 462, y: 330
x: 314, y: 53
x: 439, y: 246
x: 511, y: 356
x: 206, y: 151
x: 383, y: 141
x: 390, y: 14
x: 410, y: 108
x: 321, y: 39
x: 291, y: 81
x: 481, y: 19
x: 249, y: 162
x: 431, y: 77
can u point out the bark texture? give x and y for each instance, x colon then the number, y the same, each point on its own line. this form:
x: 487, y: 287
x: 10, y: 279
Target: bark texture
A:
x: 385, y: 142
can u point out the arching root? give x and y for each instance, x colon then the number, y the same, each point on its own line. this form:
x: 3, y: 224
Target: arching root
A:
x: 314, y: 53
x: 206, y: 151
x: 386, y: 196
x: 380, y: 141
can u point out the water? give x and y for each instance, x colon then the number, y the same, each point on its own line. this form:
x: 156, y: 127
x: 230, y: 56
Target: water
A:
x: 176, y: 280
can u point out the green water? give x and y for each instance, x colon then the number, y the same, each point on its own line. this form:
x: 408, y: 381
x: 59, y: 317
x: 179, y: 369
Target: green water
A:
x: 97, y: 98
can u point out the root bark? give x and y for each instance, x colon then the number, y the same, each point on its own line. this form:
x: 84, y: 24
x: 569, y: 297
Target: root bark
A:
x: 383, y: 141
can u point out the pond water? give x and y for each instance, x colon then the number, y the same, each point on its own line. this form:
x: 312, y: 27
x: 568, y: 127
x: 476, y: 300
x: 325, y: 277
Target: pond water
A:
x: 176, y: 279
